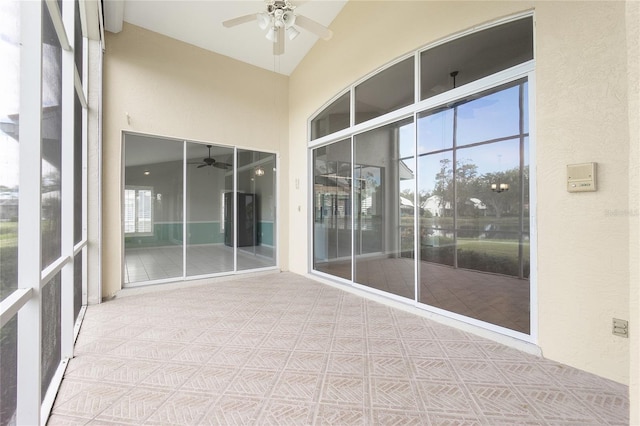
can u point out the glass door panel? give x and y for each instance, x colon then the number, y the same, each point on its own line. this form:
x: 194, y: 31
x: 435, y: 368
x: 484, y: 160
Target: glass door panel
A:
x: 153, y: 208
x: 332, y: 209
x: 256, y: 209
x: 384, y: 173
x: 209, y: 178
x: 474, y: 223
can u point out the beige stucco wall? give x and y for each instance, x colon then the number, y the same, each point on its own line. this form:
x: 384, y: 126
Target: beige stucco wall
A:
x: 633, y: 59
x: 169, y: 88
x: 581, y: 116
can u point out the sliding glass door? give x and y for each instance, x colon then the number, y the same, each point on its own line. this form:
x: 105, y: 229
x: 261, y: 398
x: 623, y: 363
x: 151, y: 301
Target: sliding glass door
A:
x: 207, y: 184
x: 196, y: 210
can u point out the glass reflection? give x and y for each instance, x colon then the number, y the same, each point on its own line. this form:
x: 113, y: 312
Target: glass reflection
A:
x: 474, y: 225
x: 384, y: 174
x: 207, y: 183
x: 332, y: 209
x: 153, y: 208
x: 255, y: 209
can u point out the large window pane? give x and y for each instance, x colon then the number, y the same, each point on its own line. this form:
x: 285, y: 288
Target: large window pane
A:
x: 9, y: 148
x: 335, y: 117
x: 332, y: 209
x: 256, y: 209
x: 474, y: 224
x: 51, y: 141
x: 51, y: 331
x: 153, y: 208
x: 208, y: 251
x: 475, y: 56
x: 384, y: 174
x: 386, y: 91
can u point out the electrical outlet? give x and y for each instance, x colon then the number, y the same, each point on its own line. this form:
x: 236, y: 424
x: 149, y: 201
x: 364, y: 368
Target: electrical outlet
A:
x: 620, y: 327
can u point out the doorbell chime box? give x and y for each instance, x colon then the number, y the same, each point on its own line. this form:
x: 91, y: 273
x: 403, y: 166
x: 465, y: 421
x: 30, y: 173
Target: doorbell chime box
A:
x: 581, y: 177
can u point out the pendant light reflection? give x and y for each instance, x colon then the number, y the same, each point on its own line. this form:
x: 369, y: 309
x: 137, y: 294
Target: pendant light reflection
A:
x: 259, y: 171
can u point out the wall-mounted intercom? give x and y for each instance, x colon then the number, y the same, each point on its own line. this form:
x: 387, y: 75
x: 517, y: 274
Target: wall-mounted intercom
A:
x: 581, y: 177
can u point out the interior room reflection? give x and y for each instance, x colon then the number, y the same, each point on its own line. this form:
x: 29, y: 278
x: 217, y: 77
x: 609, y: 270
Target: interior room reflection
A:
x: 182, y: 217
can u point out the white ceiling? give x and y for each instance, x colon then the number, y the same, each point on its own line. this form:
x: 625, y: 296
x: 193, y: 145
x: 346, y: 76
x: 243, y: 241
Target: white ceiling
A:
x: 199, y: 22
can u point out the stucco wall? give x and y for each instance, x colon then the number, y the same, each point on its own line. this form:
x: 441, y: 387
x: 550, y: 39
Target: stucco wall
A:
x: 173, y: 89
x: 581, y: 116
x: 633, y: 74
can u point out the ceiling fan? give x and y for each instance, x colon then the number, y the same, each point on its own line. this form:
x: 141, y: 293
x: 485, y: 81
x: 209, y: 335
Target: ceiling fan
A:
x: 211, y: 162
x: 280, y: 18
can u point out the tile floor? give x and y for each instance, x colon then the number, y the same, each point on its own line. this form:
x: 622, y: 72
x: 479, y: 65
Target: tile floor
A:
x: 158, y: 263
x: 283, y: 349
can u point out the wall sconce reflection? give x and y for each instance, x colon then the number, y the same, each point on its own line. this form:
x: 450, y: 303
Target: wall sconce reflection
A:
x: 499, y: 187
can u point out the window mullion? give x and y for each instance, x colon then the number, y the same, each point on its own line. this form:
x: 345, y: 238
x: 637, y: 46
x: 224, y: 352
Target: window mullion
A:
x: 29, y: 393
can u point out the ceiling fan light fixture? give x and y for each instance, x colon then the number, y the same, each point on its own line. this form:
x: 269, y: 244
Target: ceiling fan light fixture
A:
x: 288, y: 18
x: 292, y: 33
x: 263, y: 20
x: 272, y: 34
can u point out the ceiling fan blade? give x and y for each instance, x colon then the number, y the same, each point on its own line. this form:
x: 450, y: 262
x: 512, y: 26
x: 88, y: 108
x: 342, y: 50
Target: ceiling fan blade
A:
x: 240, y: 20
x: 314, y: 27
x: 278, y: 46
x: 220, y: 165
x: 201, y: 166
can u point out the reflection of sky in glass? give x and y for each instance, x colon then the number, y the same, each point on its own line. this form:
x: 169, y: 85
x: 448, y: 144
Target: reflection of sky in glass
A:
x: 435, y: 131
x: 492, y: 158
x: 490, y: 117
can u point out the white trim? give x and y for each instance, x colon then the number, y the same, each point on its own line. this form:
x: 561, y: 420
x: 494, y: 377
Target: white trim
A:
x: 29, y: 240
x: 58, y: 25
x: 11, y: 304
x: 52, y: 391
x: 185, y: 220
x: 50, y: 271
x: 533, y: 216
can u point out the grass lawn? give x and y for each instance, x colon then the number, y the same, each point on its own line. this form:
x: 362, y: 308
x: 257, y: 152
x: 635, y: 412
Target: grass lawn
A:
x: 8, y: 234
x: 506, y: 248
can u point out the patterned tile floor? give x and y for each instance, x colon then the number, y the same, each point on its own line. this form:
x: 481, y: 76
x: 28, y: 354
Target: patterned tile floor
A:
x: 283, y: 349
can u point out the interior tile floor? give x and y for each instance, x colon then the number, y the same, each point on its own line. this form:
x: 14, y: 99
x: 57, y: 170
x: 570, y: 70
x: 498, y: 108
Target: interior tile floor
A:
x: 281, y: 348
x: 158, y: 263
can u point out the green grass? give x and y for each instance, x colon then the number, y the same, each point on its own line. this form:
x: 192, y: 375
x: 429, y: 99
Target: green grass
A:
x: 506, y: 248
x: 8, y: 234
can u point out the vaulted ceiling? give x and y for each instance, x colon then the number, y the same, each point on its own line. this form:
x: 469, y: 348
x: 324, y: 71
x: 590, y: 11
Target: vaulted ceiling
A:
x: 199, y: 22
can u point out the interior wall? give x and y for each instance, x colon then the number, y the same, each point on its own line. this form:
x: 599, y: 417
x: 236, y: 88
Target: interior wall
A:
x: 160, y: 86
x: 583, y: 277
